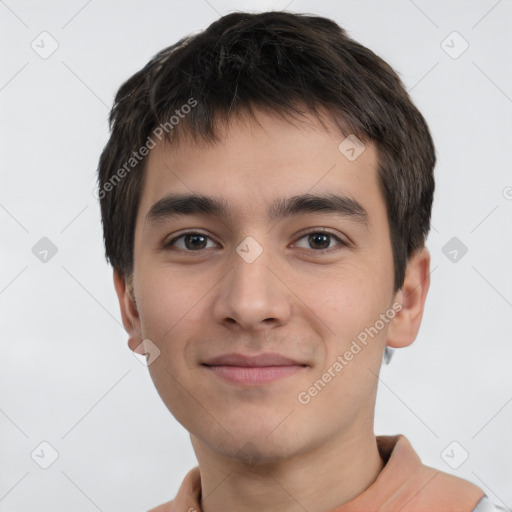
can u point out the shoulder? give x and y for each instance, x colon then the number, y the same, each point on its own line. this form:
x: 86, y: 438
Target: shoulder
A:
x: 446, y: 492
x: 188, y: 495
x: 418, y: 487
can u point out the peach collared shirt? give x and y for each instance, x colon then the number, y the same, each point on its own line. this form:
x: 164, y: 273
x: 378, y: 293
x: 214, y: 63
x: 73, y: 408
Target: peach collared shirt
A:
x: 405, y: 484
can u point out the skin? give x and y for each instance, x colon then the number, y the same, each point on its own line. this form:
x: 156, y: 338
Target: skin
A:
x: 257, y: 447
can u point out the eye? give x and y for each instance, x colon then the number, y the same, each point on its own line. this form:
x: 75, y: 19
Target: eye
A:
x: 189, y: 242
x: 195, y: 242
x: 320, y: 240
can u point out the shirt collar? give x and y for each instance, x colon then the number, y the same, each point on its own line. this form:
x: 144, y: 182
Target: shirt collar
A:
x: 404, y: 484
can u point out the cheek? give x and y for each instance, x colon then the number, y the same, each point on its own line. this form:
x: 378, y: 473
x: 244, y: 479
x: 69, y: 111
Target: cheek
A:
x: 170, y: 315
x: 352, y: 309
x: 347, y: 298
x: 167, y: 312
x: 164, y: 297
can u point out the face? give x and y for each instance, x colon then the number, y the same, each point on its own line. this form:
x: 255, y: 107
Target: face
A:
x: 304, y: 282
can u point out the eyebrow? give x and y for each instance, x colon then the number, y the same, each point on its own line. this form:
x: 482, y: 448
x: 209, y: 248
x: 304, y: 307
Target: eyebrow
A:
x: 175, y: 205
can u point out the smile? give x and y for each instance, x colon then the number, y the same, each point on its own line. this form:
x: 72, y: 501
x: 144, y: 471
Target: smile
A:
x: 255, y: 374
x: 253, y: 370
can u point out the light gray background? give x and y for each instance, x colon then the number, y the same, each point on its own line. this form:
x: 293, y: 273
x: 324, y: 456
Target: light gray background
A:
x: 67, y: 376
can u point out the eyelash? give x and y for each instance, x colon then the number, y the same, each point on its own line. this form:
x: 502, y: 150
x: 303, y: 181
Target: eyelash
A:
x: 169, y: 245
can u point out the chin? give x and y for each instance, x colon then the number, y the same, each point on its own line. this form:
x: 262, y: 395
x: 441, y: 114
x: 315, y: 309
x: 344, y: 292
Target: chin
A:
x: 257, y: 454
x: 255, y: 446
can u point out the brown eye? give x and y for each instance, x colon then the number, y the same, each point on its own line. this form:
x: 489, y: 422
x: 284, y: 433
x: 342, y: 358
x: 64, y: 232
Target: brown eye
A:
x: 192, y: 242
x: 195, y: 241
x: 320, y: 241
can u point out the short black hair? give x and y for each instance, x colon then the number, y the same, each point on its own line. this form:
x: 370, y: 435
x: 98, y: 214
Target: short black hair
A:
x: 288, y: 63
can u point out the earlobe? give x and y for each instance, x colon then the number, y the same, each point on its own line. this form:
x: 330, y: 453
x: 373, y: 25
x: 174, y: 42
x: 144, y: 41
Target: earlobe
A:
x: 404, y: 327
x: 129, y: 312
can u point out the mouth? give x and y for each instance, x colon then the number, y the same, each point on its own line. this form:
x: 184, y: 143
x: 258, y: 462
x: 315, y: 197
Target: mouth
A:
x: 253, y: 370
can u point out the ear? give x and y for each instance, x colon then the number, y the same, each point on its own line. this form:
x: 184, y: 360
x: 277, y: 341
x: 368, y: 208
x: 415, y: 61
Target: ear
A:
x: 129, y: 313
x: 404, y: 327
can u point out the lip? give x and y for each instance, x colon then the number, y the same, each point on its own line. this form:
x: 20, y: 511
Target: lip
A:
x: 253, y: 370
x: 265, y: 359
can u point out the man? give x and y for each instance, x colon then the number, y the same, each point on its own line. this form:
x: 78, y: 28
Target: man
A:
x: 266, y: 194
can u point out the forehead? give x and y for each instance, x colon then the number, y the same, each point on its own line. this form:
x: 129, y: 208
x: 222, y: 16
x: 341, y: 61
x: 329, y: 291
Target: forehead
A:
x: 257, y: 160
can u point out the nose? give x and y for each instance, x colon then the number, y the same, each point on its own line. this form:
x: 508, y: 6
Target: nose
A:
x: 253, y: 295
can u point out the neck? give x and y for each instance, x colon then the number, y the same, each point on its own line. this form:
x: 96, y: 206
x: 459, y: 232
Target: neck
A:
x: 320, y: 480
